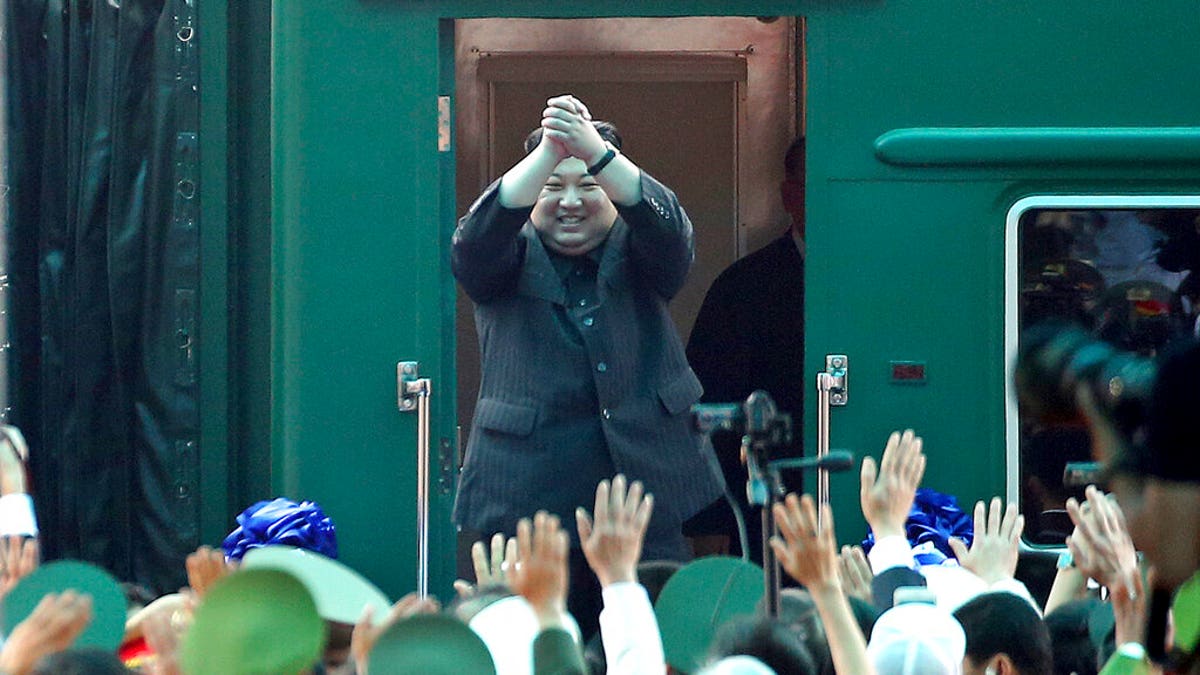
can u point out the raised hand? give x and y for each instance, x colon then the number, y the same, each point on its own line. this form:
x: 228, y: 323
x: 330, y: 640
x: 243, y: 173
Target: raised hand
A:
x: 367, y: 633
x: 1100, y: 545
x: 205, y: 567
x: 567, y: 125
x: 52, y: 627
x: 855, y: 573
x: 808, y: 553
x: 163, y: 623
x: 540, y: 571
x: 489, y: 570
x: 994, y: 549
x: 13, y: 454
x: 612, y: 541
x: 886, y: 493
x: 18, y: 559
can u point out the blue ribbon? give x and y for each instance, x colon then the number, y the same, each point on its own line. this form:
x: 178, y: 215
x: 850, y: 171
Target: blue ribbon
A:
x: 282, y: 521
x: 933, y: 520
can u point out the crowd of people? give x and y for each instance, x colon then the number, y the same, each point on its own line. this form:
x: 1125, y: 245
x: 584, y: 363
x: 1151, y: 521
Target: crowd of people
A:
x: 571, y: 258
x: 881, y: 612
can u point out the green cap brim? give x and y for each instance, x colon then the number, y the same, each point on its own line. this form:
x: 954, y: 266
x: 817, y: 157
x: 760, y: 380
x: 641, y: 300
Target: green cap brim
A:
x: 1187, y: 614
x: 698, y: 599
x: 340, y: 592
x: 108, y: 601
x: 254, y: 622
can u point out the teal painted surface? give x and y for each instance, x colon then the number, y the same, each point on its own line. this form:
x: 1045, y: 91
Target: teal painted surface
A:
x: 357, y: 270
x: 213, y: 342
x: 905, y: 262
x: 249, y: 237
x: 1041, y: 146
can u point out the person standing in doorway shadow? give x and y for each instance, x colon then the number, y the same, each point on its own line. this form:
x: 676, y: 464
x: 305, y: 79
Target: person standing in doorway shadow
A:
x: 749, y: 335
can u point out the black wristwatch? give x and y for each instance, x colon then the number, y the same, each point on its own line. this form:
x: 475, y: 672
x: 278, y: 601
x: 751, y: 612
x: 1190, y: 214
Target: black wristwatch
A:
x: 607, y: 157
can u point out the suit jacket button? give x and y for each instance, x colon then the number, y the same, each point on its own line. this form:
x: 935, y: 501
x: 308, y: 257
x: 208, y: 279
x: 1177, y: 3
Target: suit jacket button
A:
x: 606, y: 414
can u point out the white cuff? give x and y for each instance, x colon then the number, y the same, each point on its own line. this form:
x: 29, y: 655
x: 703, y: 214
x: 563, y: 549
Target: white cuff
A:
x: 632, y: 643
x: 891, y: 551
x: 16, y: 515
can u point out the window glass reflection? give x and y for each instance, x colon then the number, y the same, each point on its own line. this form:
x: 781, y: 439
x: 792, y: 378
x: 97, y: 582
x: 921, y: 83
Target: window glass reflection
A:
x: 1131, y: 277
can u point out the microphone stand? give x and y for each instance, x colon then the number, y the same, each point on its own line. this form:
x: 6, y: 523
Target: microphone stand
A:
x: 764, y: 488
x: 766, y: 430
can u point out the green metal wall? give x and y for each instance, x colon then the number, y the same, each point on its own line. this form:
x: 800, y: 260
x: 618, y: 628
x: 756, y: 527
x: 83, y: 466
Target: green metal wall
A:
x: 906, y: 262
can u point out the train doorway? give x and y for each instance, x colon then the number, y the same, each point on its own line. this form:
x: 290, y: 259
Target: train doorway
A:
x: 706, y: 104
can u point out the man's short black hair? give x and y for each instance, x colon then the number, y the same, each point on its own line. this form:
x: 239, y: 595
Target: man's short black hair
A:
x: 1004, y: 623
x: 608, y: 131
x: 1071, y: 637
x: 767, y: 640
x: 793, y: 160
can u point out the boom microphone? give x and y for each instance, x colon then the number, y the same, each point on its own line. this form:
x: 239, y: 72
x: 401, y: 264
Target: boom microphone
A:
x: 834, y: 460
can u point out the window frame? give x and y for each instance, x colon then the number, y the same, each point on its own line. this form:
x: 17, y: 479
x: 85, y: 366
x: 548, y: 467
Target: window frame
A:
x: 1012, y: 290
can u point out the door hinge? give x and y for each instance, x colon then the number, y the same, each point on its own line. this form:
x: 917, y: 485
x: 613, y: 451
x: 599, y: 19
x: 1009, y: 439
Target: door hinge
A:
x: 443, y: 123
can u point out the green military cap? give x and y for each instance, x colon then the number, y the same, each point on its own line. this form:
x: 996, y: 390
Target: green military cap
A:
x: 431, y: 644
x: 107, y: 626
x: 254, y: 622
x: 340, y: 592
x: 698, y: 599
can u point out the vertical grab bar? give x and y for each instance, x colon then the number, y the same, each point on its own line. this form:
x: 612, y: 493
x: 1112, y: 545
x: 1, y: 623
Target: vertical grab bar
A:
x: 832, y: 389
x: 823, y: 386
x: 414, y: 394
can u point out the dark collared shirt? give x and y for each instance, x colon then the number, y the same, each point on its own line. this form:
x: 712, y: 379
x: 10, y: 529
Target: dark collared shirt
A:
x: 578, y: 274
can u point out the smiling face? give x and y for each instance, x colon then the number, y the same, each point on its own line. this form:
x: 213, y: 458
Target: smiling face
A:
x: 573, y: 214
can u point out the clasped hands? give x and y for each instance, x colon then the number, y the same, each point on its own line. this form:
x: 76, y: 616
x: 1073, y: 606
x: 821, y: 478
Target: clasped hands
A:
x: 567, y: 130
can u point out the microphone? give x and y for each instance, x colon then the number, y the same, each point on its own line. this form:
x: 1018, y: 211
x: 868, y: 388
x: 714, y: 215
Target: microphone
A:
x: 834, y: 460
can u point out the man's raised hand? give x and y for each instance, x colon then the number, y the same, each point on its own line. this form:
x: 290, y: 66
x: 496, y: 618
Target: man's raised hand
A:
x: 1100, y: 545
x: 490, y: 569
x: 567, y: 124
x: 540, y: 571
x: 887, y: 491
x: 996, y: 544
x: 612, y: 540
x: 807, y: 552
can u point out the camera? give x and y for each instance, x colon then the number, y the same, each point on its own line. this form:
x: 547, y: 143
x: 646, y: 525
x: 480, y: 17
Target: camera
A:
x: 757, y: 417
x: 1056, y: 360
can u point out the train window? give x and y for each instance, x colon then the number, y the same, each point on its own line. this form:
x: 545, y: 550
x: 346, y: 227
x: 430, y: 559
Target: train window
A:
x: 1124, y: 274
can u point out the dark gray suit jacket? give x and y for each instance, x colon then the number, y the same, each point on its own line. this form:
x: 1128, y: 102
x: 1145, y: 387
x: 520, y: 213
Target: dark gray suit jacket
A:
x: 553, y: 416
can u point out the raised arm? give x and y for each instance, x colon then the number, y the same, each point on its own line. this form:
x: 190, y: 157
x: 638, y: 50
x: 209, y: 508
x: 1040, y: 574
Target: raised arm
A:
x: 19, y: 552
x: 1103, y: 550
x: 540, y: 576
x: 612, y: 543
x: 995, y: 548
x: 661, y: 237
x: 886, y: 495
x: 810, y: 555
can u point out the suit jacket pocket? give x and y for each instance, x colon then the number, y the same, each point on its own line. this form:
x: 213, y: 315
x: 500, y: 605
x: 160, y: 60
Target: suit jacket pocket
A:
x: 679, y: 394
x: 509, y: 418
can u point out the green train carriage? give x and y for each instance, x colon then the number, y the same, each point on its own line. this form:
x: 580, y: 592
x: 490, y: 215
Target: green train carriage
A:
x: 338, y: 142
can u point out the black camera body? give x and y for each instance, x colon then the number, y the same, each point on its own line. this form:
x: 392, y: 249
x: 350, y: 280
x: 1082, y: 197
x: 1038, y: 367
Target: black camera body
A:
x: 1056, y: 360
x: 756, y: 417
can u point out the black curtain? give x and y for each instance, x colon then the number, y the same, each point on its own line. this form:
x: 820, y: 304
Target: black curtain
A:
x: 102, y: 100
